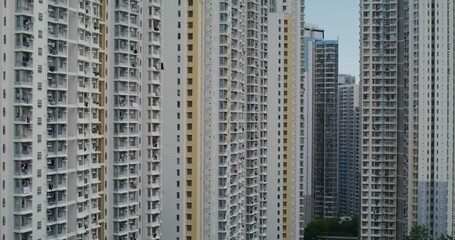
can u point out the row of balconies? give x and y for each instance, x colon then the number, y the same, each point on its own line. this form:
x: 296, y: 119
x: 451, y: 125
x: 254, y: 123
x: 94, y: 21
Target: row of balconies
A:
x: 126, y: 88
x: 123, y: 129
x: 126, y: 199
x: 124, y: 158
x: 126, y: 102
x: 55, y: 165
x: 123, y: 74
x: 126, y: 32
x: 122, y: 45
x: 125, y: 143
x: 57, y: 15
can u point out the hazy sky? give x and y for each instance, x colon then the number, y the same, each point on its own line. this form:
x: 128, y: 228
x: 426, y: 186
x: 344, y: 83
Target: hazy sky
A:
x: 339, y: 19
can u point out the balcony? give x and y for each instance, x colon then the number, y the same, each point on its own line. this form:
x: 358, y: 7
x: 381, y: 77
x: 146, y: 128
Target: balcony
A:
x: 57, y: 31
x: 56, y: 82
x: 56, y: 148
x: 23, y: 186
x: 57, y: 49
x: 23, y: 223
x: 25, y: 24
x: 24, y: 60
x: 23, y: 132
x: 23, y: 205
x: 62, y: 3
x: 23, y: 150
x: 57, y: 15
x: 58, y: 65
x: 24, y: 42
x: 56, y: 131
x: 23, y: 79
x: 121, y: 32
x: 56, y: 165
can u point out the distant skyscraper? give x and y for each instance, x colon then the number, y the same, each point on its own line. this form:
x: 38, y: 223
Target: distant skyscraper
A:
x: 407, y: 147
x: 348, y: 145
x: 311, y: 33
x: 325, y: 128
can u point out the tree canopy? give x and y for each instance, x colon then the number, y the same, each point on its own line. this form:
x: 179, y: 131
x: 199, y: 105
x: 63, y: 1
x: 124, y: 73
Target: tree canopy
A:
x: 332, y: 227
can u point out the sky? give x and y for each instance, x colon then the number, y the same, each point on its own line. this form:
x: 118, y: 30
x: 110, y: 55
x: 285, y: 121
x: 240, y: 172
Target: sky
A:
x: 339, y: 19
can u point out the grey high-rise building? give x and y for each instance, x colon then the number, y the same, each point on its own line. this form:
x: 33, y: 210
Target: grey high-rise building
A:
x: 325, y: 128
x: 348, y: 145
x: 407, y: 143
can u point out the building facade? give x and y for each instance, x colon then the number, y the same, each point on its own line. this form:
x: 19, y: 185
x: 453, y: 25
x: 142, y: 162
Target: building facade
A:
x: 74, y: 103
x: 348, y: 145
x: 231, y: 175
x: 215, y: 98
x: 407, y: 118
x: 325, y: 129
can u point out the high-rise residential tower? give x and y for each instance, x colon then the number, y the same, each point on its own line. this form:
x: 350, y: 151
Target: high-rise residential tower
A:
x: 215, y: 101
x: 325, y: 129
x: 288, y: 195
x: 230, y: 174
x: 407, y: 71
x: 81, y: 106
x: 348, y: 146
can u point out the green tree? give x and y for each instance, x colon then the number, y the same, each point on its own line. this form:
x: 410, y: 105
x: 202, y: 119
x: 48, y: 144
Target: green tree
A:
x: 332, y: 227
x: 315, y: 228
x: 418, y: 232
x: 446, y: 237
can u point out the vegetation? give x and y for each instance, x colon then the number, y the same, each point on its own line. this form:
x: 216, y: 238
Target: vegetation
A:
x: 420, y: 232
x: 332, y: 227
x: 446, y: 237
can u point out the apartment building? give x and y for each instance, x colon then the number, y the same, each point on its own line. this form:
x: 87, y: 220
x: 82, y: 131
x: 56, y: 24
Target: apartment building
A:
x: 229, y: 176
x: 407, y: 117
x: 74, y: 101
x: 348, y: 145
x: 215, y: 97
x: 288, y: 194
x: 325, y: 129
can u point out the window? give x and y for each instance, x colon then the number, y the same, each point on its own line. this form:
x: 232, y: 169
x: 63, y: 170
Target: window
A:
x: 190, y: 13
